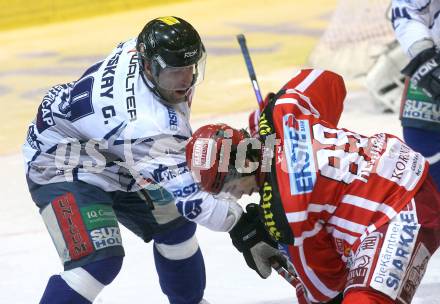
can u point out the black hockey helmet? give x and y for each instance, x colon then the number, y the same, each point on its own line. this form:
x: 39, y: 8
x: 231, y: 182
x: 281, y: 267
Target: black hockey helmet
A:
x: 172, y: 46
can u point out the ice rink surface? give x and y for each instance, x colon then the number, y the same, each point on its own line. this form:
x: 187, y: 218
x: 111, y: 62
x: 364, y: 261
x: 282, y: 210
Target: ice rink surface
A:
x: 279, y: 39
x: 28, y: 258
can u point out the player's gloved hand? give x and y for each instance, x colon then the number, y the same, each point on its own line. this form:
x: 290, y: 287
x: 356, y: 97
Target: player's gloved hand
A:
x: 424, y: 70
x: 255, y: 115
x: 253, y: 123
x: 250, y: 237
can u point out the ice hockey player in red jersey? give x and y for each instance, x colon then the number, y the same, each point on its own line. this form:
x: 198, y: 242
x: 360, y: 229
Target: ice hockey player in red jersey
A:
x: 358, y: 217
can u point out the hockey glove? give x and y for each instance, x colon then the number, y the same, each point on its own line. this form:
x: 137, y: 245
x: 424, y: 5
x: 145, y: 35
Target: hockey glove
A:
x: 424, y: 70
x: 254, y: 117
x: 250, y: 237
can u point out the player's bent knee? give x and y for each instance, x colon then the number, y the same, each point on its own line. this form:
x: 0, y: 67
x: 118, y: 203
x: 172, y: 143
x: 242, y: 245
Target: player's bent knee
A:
x: 105, y: 271
x: 89, y: 280
x: 178, y: 251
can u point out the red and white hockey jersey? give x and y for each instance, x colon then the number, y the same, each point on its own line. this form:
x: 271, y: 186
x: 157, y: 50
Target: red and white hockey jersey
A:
x: 335, y: 186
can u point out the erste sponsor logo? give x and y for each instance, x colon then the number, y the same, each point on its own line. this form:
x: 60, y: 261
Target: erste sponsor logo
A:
x: 299, y: 154
x: 186, y: 191
x: 172, y: 118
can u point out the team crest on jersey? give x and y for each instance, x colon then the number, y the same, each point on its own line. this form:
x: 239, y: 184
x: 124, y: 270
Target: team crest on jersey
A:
x: 64, y: 105
x: 45, y: 115
x: 360, y: 263
x: 32, y: 139
x: 299, y: 154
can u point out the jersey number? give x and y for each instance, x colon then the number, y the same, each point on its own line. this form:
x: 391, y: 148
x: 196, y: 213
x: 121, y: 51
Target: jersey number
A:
x: 81, y: 99
x: 341, y: 155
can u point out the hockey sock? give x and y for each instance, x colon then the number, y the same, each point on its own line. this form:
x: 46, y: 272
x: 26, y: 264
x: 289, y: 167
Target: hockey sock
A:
x: 183, y: 281
x: 58, y: 292
x: 81, y: 285
x: 179, y: 264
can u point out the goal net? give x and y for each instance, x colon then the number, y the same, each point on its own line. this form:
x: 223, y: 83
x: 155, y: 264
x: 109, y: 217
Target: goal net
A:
x: 358, y: 32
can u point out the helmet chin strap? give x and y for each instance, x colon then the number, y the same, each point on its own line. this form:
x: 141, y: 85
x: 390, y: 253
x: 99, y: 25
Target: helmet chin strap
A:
x: 152, y: 85
x: 149, y: 83
x: 188, y: 93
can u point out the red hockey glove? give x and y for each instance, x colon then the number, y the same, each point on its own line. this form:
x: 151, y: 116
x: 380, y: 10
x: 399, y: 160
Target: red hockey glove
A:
x: 253, y: 123
x: 250, y: 237
x: 255, y: 115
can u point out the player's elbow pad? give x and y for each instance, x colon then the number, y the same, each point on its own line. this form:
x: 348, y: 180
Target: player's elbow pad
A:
x: 233, y: 214
x: 218, y: 214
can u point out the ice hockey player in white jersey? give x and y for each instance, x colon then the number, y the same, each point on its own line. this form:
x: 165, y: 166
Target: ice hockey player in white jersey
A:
x: 417, y: 27
x: 109, y: 148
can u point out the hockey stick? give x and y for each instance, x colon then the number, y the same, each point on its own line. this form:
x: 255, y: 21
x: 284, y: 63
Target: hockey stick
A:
x: 247, y: 58
x: 289, y: 276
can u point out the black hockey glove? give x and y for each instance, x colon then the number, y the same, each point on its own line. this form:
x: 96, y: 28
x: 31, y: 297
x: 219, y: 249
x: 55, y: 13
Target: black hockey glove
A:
x: 250, y: 237
x: 424, y: 70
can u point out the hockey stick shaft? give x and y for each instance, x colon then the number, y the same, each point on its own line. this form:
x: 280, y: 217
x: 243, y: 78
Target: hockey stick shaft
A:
x: 284, y: 273
x: 250, y: 68
x: 290, y: 277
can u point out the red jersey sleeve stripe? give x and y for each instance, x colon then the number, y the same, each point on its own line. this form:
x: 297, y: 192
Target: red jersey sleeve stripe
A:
x: 355, y: 214
x: 321, y: 207
x: 369, y: 205
x: 347, y: 225
x: 298, y: 241
x: 314, y: 278
x: 299, y: 216
x: 336, y: 233
x: 308, y: 285
x: 306, y: 111
x: 296, y: 217
x: 313, y: 75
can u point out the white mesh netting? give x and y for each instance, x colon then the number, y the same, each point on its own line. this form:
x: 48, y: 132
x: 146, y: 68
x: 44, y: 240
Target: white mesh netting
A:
x: 357, y: 32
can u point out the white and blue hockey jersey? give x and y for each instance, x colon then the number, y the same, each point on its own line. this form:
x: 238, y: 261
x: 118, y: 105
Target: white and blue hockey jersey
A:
x: 110, y: 130
x: 417, y: 27
x: 416, y: 20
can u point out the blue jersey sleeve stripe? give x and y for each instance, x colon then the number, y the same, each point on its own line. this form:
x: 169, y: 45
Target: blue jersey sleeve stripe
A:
x: 437, y: 13
x: 34, y: 157
x: 424, y: 7
x: 92, y: 69
x: 113, y: 131
x: 181, y: 137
